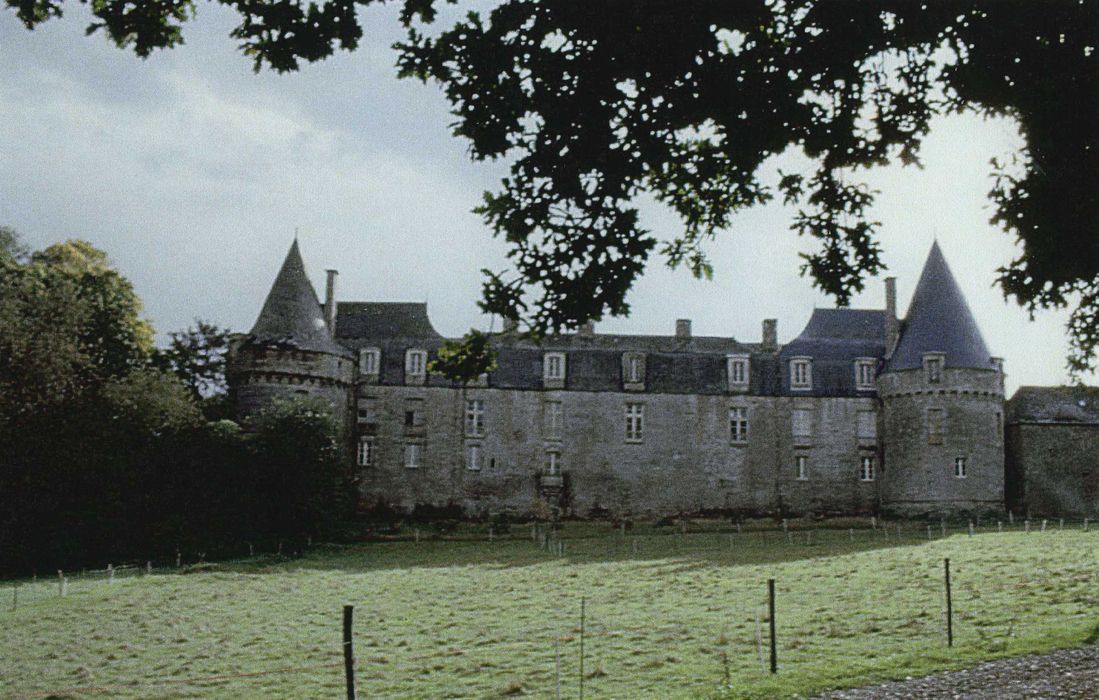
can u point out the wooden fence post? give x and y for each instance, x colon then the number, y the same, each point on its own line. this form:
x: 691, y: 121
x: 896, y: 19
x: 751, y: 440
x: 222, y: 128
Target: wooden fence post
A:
x: 15, y: 596
x: 348, y: 651
x: 949, y: 605
x: 771, y: 620
x: 583, y: 602
x: 61, y: 583
x: 110, y: 574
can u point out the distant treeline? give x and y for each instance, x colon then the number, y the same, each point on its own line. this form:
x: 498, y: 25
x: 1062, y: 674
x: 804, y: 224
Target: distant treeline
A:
x: 112, y: 449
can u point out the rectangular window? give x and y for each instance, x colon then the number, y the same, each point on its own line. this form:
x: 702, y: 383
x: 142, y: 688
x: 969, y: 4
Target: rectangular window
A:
x: 933, y: 365
x: 866, y: 426
x: 635, y: 422
x: 553, y: 463
x: 801, y: 373
x: 415, y: 365
x: 369, y: 361
x: 935, y: 426
x: 553, y: 366
x: 802, y: 425
x: 738, y: 424
x: 414, y: 413
x: 633, y: 369
x: 473, y: 458
x: 801, y: 463
x: 367, y: 453
x: 864, y: 374
x: 959, y: 467
x: 413, y: 451
x: 553, y: 420
x: 736, y: 366
x: 866, y: 468
x: 367, y: 411
x: 475, y: 417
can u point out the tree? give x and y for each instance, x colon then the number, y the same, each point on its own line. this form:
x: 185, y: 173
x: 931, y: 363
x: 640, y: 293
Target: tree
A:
x: 595, y: 103
x: 197, y: 357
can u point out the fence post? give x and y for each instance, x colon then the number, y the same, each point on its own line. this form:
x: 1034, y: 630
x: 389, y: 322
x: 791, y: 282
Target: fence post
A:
x: 1061, y: 524
x: 178, y: 557
x: 582, y: 606
x: 851, y: 534
x: 949, y: 605
x: 970, y: 528
x: 148, y: 568
x: 1085, y: 524
x: 1010, y: 518
x: 557, y: 667
x: 929, y: 532
x: 999, y: 526
x: 1026, y: 525
x: 348, y: 651
x: 15, y: 596
x: 1043, y: 525
x: 110, y: 574
x: 61, y: 583
x: 771, y: 620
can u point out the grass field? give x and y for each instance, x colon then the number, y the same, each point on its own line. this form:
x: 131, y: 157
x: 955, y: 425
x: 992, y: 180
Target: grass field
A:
x: 667, y: 616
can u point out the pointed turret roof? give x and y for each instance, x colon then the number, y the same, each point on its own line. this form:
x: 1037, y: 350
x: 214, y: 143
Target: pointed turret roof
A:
x: 292, y: 314
x: 939, y: 320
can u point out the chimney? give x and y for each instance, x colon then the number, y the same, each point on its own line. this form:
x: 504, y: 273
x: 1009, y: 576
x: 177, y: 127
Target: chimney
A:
x: 330, y: 302
x: 683, y: 328
x: 586, y: 329
x: 770, y: 335
x: 892, y: 325
x: 510, y: 324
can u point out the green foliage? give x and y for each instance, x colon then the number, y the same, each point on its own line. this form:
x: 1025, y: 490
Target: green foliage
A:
x: 467, y: 359
x: 197, y: 356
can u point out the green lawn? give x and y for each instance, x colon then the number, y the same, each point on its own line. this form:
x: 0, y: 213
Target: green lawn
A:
x: 667, y: 615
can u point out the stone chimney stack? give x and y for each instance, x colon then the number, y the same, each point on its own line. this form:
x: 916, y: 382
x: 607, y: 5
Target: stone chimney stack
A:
x: 510, y: 325
x: 330, y: 302
x: 892, y: 324
x: 587, y: 329
x: 770, y: 335
x: 683, y: 329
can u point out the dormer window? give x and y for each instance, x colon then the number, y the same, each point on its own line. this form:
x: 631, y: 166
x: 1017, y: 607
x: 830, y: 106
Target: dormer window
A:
x: 369, y: 361
x: 864, y: 373
x: 736, y: 367
x: 633, y: 371
x: 801, y: 373
x: 415, y: 366
x: 553, y: 369
x: 933, y: 363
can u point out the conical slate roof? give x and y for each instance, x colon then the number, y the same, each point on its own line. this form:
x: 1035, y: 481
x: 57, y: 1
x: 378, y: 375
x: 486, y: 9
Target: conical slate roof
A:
x: 292, y: 314
x: 939, y: 320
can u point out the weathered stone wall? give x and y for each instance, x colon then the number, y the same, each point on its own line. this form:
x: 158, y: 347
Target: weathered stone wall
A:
x: 1056, y: 467
x: 259, y: 375
x: 918, y: 475
x: 685, y: 461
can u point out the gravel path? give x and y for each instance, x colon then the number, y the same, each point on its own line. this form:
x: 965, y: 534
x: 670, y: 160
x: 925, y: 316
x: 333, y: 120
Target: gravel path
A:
x: 1072, y: 673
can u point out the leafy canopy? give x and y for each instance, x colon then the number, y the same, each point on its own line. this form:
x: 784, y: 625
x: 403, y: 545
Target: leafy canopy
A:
x: 596, y: 103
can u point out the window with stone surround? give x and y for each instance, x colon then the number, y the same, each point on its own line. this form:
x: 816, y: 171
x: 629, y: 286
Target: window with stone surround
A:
x: 370, y: 361
x: 866, y: 426
x: 635, y: 422
x: 801, y: 467
x: 866, y: 468
x: 633, y: 371
x: 933, y: 363
x: 801, y: 426
x: 959, y: 467
x: 553, y: 366
x: 736, y: 369
x: 413, y: 454
x: 553, y: 463
x: 475, y: 418
x: 864, y: 373
x: 367, y: 453
x: 415, y: 366
x: 414, y: 413
x: 801, y: 373
x: 935, y: 426
x: 553, y: 420
x: 473, y: 457
x: 367, y: 411
x: 738, y: 424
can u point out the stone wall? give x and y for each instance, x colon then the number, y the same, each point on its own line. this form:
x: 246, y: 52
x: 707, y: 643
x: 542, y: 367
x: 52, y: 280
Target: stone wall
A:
x: 259, y: 375
x: 1056, y: 468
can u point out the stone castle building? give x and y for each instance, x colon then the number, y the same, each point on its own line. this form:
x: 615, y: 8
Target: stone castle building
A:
x: 861, y: 412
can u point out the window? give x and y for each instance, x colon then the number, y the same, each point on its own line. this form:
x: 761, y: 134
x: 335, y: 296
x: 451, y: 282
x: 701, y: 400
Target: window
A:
x: 866, y: 426
x: 933, y: 366
x: 413, y: 451
x: 738, y: 424
x: 553, y: 366
x: 866, y: 468
x: 935, y: 427
x: 367, y: 413
x: 415, y: 366
x: 801, y: 373
x: 801, y: 467
x: 414, y: 413
x: 369, y: 361
x: 475, y: 417
x: 635, y: 421
x: 553, y: 463
x: 802, y: 425
x: 473, y: 458
x: 864, y: 373
x: 959, y: 467
x: 553, y: 418
x: 367, y: 452
x: 736, y: 366
x: 633, y: 370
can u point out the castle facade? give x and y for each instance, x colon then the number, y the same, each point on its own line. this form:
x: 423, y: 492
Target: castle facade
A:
x: 862, y: 412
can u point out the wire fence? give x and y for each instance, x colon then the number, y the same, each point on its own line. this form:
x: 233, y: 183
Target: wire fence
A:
x: 721, y: 642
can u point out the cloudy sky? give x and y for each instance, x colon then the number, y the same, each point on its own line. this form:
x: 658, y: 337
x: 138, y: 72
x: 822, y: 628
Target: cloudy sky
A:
x: 193, y: 172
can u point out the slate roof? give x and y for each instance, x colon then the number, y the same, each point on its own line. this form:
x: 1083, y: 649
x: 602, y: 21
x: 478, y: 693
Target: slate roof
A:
x: 380, y: 319
x: 1054, y: 404
x: 292, y: 315
x: 939, y: 320
x: 834, y: 339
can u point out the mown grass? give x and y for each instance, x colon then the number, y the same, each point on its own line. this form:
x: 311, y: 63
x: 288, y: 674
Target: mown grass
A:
x: 667, y: 616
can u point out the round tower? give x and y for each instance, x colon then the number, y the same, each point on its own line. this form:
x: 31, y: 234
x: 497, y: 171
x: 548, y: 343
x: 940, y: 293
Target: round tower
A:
x: 942, y: 400
x: 290, y: 351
